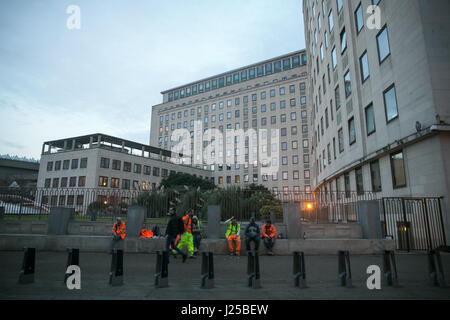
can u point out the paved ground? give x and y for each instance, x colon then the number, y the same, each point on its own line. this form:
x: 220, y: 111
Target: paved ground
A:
x: 230, y: 273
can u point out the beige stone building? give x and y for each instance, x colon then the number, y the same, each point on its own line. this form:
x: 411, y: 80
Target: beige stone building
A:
x: 380, y: 95
x: 269, y: 95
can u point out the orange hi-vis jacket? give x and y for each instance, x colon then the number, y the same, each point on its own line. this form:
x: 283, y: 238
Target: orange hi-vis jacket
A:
x: 120, y: 230
x: 187, y: 223
x: 268, y: 232
x: 145, y: 234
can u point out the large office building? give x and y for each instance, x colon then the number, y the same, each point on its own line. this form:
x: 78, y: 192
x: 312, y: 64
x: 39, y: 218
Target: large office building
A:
x: 260, y: 107
x: 380, y: 94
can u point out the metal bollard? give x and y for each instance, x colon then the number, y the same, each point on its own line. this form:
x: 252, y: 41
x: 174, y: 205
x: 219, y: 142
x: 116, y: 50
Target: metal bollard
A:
x: 73, y: 259
x: 162, y: 269
x: 299, y: 270
x: 435, y: 269
x: 116, y: 273
x: 27, y: 272
x: 390, y: 268
x: 253, y: 275
x: 207, y: 276
x: 345, y: 271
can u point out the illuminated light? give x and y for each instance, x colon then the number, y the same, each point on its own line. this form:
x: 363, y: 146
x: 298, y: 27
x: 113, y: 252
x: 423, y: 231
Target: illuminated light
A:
x: 309, y: 206
x: 105, y: 202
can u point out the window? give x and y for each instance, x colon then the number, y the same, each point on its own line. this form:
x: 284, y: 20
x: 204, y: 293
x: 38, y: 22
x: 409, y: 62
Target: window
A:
x: 50, y: 166
x: 55, y: 183
x: 375, y: 176
x: 398, y: 170
x: 127, y: 166
x: 104, y: 163
x: 126, y: 184
x: 351, y: 131
x: 359, y: 181
x: 339, y: 5
x: 343, y: 41
x: 103, y: 182
x: 348, y: 84
x: 347, y: 185
x: 341, y: 140
x: 330, y: 20
x: 137, y: 168
x: 364, y: 65
x: 57, y: 165
x: 114, y: 182
x: 390, y: 103
x: 83, y: 163
x: 383, y: 44
x: 282, y: 91
x: 359, y: 19
x: 285, y: 175
x: 370, y: 120
x: 147, y: 170
x: 116, y: 164
x: 292, y: 102
x: 337, y: 98
x: 156, y: 171
x: 334, y: 58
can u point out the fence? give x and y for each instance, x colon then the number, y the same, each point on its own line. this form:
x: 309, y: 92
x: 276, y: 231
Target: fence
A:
x: 414, y: 223
x: 90, y: 204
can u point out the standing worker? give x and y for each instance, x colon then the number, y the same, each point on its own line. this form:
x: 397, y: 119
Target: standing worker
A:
x: 174, y: 227
x: 233, y: 236
x: 196, y: 233
x: 269, y: 234
x: 252, y: 233
x: 118, y: 232
x: 186, y: 238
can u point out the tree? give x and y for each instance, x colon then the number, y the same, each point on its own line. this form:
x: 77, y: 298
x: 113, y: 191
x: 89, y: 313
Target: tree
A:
x: 178, y: 181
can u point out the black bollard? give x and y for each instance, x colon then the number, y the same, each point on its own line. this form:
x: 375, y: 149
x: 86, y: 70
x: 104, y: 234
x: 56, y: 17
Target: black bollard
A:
x: 207, y: 276
x: 162, y: 269
x: 435, y: 269
x: 390, y: 268
x: 73, y: 259
x: 27, y: 272
x: 344, y: 269
x: 253, y: 274
x: 299, y: 270
x: 116, y: 273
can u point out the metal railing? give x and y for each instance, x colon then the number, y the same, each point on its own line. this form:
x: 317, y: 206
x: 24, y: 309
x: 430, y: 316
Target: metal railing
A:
x: 414, y: 223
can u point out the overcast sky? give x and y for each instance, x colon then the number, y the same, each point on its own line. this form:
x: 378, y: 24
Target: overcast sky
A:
x: 57, y: 83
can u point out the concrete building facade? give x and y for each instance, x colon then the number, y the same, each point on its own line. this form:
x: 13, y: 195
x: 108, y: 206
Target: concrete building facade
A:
x: 103, y: 162
x: 269, y: 95
x: 379, y: 91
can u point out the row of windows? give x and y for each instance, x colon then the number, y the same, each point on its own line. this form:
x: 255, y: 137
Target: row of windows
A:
x: 391, y: 112
x: 67, y: 164
x: 179, y: 115
x: 105, y: 163
x: 65, y: 182
x: 397, y: 172
x: 265, y: 177
x: 238, y: 77
x: 213, y: 119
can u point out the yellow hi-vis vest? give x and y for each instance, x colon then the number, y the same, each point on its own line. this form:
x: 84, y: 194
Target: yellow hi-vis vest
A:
x: 232, y: 229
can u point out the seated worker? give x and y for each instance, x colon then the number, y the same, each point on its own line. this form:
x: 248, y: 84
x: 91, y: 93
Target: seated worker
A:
x: 196, y: 233
x: 118, y: 232
x: 174, y: 228
x: 233, y: 236
x: 269, y: 234
x: 252, y: 233
x: 146, y: 233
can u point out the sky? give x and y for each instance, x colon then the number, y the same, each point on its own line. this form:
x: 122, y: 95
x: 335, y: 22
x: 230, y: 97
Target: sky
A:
x: 104, y: 77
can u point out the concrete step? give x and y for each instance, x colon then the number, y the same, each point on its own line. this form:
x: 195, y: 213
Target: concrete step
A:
x: 15, y: 242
